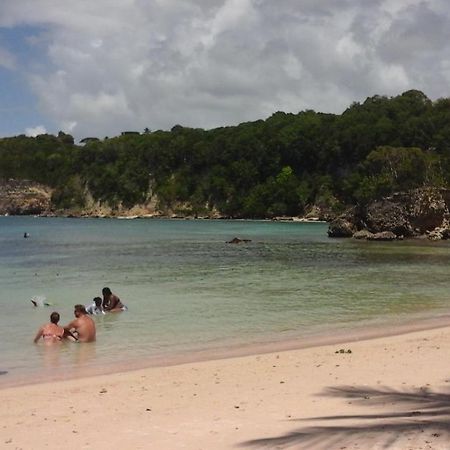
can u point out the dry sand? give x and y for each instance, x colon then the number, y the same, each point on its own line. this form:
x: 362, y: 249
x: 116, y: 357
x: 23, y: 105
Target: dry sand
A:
x: 390, y: 392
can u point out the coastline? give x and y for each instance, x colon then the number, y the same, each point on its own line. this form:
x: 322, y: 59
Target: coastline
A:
x: 161, y: 216
x: 389, y: 389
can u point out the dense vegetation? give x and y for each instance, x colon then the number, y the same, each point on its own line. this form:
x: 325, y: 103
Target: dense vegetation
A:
x: 266, y: 168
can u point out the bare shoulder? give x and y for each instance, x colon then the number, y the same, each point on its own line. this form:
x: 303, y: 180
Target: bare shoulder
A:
x: 86, y: 319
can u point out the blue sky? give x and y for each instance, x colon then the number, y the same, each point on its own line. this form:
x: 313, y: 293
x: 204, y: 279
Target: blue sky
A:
x: 19, y: 108
x: 96, y: 68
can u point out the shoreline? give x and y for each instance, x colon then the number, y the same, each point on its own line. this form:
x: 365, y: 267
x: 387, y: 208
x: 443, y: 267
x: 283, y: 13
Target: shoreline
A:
x: 239, y: 350
x: 294, y: 219
x: 388, y: 390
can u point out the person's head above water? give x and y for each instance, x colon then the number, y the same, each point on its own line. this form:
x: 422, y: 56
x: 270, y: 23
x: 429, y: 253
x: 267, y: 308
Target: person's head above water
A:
x: 98, y: 302
x: 79, y: 310
x: 54, y: 318
x: 106, y: 291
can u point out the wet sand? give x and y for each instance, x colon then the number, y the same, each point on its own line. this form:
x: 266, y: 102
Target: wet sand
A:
x: 387, y: 392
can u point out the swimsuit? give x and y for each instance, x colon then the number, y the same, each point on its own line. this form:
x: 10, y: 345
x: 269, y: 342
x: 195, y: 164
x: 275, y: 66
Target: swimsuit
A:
x: 52, y: 336
x: 56, y: 334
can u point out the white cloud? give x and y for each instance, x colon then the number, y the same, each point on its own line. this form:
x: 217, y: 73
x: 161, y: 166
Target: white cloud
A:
x: 7, y: 59
x: 35, y: 131
x: 113, y: 65
x: 68, y: 127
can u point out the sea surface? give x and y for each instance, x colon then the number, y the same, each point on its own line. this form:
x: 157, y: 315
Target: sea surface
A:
x: 191, y: 295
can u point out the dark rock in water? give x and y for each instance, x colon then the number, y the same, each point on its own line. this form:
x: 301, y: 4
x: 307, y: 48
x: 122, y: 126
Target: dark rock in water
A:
x: 237, y: 240
x: 3, y: 372
x: 388, y: 215
x: 341, y: 227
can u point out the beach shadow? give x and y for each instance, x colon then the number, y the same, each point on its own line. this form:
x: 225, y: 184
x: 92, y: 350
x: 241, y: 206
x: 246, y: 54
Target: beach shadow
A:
x: 414, y: 413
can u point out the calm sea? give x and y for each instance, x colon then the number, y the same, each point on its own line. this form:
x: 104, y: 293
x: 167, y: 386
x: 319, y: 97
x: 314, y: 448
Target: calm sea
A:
x: 190, y: 293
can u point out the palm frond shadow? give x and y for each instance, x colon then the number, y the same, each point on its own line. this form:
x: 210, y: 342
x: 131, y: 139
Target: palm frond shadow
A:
x: 412, y: 411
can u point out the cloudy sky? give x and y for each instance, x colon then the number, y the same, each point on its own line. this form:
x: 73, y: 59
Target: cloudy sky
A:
x: 98, y: 67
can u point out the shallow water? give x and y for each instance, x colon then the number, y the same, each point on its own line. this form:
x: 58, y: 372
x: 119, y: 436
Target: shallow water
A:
x: 188, y: 290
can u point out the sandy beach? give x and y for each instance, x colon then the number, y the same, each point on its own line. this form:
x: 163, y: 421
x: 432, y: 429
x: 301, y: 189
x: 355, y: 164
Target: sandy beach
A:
x: 388, y: 392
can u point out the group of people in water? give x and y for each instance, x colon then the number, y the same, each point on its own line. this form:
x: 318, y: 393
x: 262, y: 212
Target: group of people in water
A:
x: 82, y: 328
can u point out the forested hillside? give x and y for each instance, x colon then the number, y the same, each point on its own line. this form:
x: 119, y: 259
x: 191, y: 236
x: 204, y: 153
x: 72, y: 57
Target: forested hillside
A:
x: 278, y: 166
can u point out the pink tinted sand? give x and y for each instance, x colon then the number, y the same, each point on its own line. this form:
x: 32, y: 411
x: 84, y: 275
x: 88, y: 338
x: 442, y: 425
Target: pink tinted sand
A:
x: 389, y: 390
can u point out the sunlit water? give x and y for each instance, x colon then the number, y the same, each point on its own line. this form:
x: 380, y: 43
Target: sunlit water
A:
x: 188, y: 290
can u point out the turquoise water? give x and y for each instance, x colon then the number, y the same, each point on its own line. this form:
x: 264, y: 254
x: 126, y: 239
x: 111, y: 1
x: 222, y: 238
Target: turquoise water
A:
x: 188, y: 290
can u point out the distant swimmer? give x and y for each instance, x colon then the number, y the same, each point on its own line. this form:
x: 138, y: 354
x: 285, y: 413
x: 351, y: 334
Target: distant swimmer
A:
x: 52, y: 332
x: 39, y: 301
x: 95, y: 307
x: 26, y: 235
x: 83, y: 327
x: 111, y: 302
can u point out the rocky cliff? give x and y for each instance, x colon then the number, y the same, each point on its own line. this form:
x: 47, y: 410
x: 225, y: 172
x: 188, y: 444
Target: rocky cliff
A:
x: 21, y: 197
x: 420, y: 212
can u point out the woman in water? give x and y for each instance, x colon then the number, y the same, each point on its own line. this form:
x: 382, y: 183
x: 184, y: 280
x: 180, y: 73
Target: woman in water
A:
x: 51, y: 332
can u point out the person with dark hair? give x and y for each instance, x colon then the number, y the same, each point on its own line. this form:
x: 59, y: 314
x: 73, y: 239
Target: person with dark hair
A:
x: 95, y: 307
x: 83, y: 326
x: 111, y: 302
x: 51, y: 332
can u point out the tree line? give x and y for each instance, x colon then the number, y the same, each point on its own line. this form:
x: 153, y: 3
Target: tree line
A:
x: 273, y: 167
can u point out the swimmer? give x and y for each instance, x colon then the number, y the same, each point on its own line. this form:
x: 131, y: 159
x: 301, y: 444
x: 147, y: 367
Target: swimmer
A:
x: 83, y: 325
x: 52, y: 332
x: 111, y: 302
x: 39, y: 301
x: 95, y: 307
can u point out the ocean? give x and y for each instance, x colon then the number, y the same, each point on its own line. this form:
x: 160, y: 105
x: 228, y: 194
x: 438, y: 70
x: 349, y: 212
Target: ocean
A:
x: 191, y: 295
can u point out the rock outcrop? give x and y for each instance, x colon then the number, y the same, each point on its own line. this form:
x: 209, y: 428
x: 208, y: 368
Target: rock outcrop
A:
x: 420, y: 212
x: 382, y: 236
x: 24, y: 198
x: 237, y: 240
x: 342, y: 227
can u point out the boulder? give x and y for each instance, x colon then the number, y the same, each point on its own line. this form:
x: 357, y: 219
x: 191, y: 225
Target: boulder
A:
x: 388, y: 215
x: 362, y: 234
x: 441, y: 232
x: 419, y: 212
x: 237, y: 240
x: 341, y: 227
x: 382, y: 236
x: 429, y: 209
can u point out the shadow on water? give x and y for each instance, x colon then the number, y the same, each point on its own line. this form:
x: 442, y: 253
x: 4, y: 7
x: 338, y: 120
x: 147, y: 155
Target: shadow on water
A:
x: 415, y: 413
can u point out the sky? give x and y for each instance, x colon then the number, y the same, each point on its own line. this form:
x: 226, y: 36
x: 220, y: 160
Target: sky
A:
x: 97, y: 68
